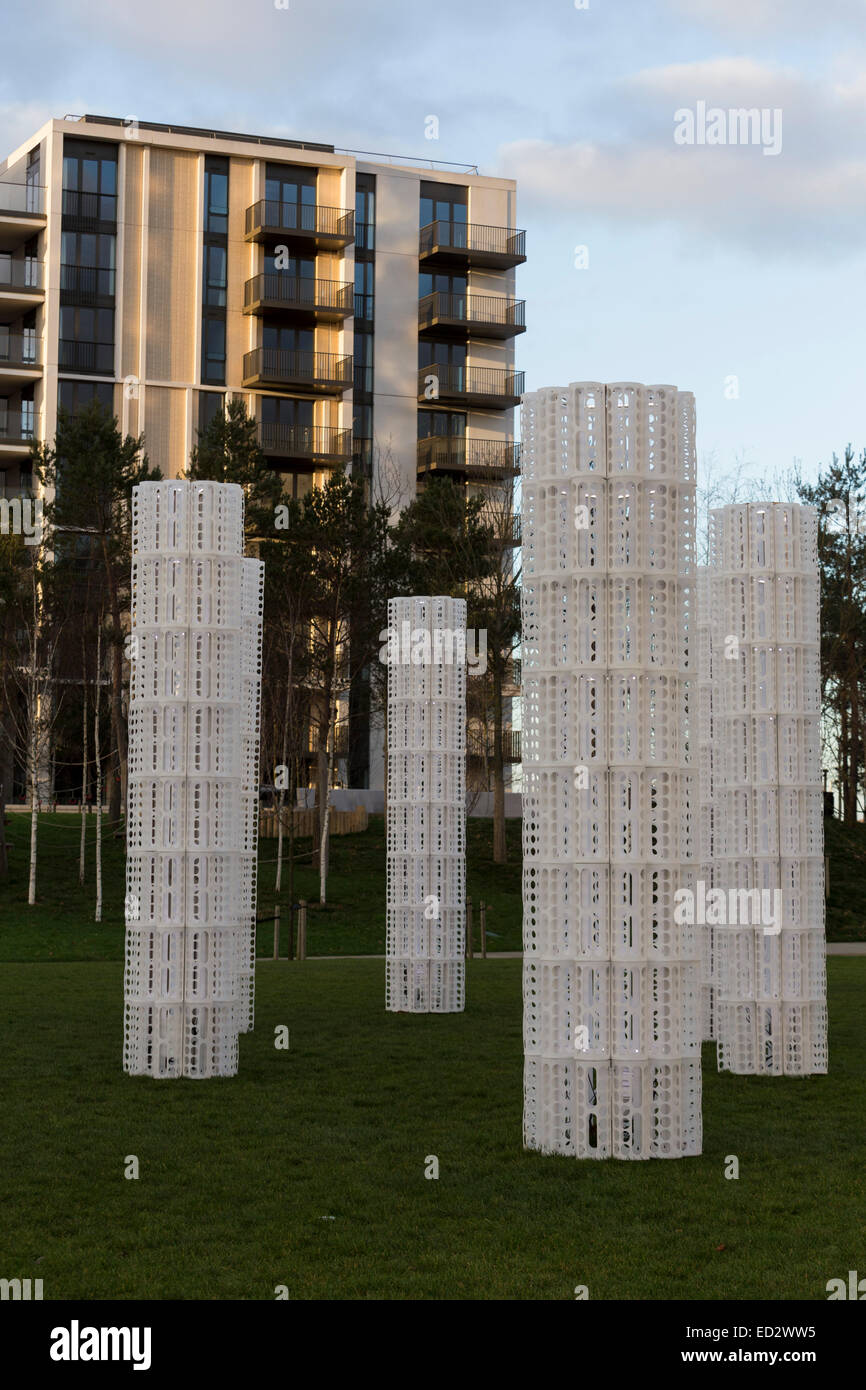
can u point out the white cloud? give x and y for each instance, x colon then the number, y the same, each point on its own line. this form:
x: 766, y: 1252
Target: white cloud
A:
x: 810, y: 199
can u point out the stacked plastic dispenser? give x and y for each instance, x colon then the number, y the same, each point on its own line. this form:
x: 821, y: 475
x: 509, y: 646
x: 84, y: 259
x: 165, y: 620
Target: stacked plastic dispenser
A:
x: 612, y: 1026
x: 426, y: 820
x: 767, y: 831
x: 192, y: 815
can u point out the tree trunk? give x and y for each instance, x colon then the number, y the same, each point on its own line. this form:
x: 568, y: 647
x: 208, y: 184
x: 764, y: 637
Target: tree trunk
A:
x: 84, y: 776
x: 98, y: 760
x: 4, y: 858
x: 500, y: 846
x: 323, y: 851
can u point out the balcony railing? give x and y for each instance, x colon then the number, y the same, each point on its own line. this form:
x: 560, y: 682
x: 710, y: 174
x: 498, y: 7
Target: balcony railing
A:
x: 491, y: 386
x: 313, y: 371
x: 89, y: 207
x: 480, y: 744
x: 86, y: 284
x: 322, y: 445
x: 78, y: 355
x: 19, y: 349
x: 482, y: 315
x: 322, y: 299
x: 20, y: 275
x: 482, y: 458
x: 472, y: 243
x: 18, y: 427
x: 333, y: 227
x: 22, y: 199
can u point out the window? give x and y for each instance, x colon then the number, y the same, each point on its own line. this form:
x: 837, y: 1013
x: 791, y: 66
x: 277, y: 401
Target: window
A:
x: 214, y: 351
x: 363, y: 289
x: 431, y: 352
x: 86, y: 339
x: 436, y: 423
x: 429, y: 283
x: 214, y: 270
x: 215, y: 262
x: 365, y: 212
x: 443, y: 202
x: 216, y: 196
x: 290, y: 192
x: 210, y: 404
x: 287, y: 339
x: 363, y: 363
x: 90, y: 180
x: 297, y: 267
x: 74, y: 396
x: 87, y: 263
x: 284, y: 410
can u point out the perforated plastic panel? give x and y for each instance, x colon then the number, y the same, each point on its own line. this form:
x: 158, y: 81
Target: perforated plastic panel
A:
x: 193, y: 781
x: 762, y: 842
x: 426, y: 827
x: 612, y: 992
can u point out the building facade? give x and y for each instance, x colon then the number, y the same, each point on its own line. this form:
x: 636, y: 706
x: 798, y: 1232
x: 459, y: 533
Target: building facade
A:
x: 364, y: 309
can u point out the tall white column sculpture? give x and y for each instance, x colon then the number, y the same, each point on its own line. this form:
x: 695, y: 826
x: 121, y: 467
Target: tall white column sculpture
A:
x: 195, y: 646
x: 611, y: 979
x: 768, y: 796
x: 426, y: 821
x: 709, y: 755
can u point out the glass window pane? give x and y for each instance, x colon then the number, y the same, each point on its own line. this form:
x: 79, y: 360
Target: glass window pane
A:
x: 90, y: 175
x: 109, y: 176
x: 70, y: 173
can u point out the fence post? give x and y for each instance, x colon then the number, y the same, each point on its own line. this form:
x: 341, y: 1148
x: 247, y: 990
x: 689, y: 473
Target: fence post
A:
x: 276, y: 933
x: 291, y: 954
x: 483, y: 923
x: 302, y: 930
x: 468, y: 928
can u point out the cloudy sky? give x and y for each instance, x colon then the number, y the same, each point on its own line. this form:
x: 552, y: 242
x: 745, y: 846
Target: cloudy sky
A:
x: 731, y: 272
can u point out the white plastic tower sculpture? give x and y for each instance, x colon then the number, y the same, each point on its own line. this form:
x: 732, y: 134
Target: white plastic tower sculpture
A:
x: 611, y: 980
x: 192, y: 815
x: 426, y: 823
x: 709, y: 754
x: 768, y: 823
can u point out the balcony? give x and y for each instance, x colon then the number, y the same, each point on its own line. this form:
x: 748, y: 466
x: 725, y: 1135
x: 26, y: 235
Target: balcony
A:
x: 484, y: 460
x: 305, y: 447
x: 479, y: 744
x: 319, y: 373
x: 89, y: 212
x: 303, y: 226
x: 460, y: 245
x: 78, y: 355
x: 22, y: 213
x: 471, y: 315
x: 490, y: 387
x: 20, y: 355
x: 20, y: 286
x: 17, y: 431
x: 87, y: 284
x: 298, y: 299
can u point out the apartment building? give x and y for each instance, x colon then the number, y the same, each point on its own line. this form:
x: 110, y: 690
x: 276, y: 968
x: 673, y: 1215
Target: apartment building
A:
x: 363, y: 307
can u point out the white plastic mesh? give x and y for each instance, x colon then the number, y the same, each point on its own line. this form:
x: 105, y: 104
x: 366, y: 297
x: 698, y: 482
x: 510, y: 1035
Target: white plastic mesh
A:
x: 426, y: 823
x: 612, y: 1026
x: 193, y: 781
x: 762, y: 839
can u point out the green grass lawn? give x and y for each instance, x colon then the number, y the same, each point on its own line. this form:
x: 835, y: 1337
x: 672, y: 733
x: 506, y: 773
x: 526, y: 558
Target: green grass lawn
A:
x: 307, y: 1169
x: 60, y: 925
